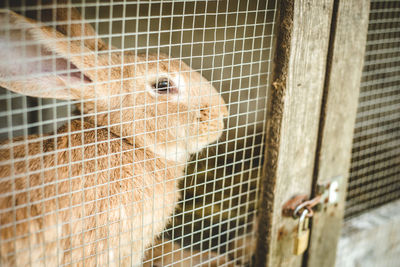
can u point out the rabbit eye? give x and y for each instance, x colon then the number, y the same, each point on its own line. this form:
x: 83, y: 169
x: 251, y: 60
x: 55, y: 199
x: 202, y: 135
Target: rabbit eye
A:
x: 164, y: 87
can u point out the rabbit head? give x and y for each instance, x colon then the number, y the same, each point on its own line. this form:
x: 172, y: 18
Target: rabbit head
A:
x: 151, y: 101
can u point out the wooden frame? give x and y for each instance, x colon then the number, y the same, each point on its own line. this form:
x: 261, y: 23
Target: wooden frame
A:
x: 311, y: 115
x: 346, y: 57
x: 293, y: 123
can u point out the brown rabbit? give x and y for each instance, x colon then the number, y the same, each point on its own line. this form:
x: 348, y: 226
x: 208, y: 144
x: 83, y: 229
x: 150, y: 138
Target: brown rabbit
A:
x: 100, y: 190
x: 168, y: 253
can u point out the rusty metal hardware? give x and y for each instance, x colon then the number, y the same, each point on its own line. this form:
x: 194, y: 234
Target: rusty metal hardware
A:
x: 302, y: 208
x: 292, y: 204
x: 308, y: 205
x: 296, y: 205
x: 327, y: 194
x: 330, y: 190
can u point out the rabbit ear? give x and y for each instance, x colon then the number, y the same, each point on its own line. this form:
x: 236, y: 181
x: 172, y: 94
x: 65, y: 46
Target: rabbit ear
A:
x: 70, y: 23
x: 42, y: 62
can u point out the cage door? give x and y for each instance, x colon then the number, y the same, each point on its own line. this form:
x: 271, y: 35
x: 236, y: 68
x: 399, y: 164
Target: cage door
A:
x: 311, y: 117
x: 294, y: 114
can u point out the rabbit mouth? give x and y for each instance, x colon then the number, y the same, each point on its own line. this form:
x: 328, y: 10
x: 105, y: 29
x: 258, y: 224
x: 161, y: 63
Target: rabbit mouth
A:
x: 199, y: 142
x: 181, y: 151
x: 175, y: 153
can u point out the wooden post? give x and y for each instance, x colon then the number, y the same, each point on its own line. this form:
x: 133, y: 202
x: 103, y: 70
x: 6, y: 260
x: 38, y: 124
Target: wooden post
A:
x: 348, y: 40
x: 293, y: 122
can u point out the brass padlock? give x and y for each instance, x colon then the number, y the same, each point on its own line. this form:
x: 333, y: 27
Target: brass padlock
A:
x: 303, y: 233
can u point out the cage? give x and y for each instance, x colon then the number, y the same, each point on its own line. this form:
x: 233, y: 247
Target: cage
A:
x: 371, y: 214
x: 227, y: 42
x: 199, y: 133
x: 375, y: 160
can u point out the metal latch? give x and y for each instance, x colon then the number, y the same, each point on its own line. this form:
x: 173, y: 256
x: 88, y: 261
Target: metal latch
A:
x: 327, y: 194
x: 302, y: 208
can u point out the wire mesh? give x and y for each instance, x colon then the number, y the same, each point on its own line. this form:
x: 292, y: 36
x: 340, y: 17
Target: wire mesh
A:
x: 99, y: 128
x: 375, y: 165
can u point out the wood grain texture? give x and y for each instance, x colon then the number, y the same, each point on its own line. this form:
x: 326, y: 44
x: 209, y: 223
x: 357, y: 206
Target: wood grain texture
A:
x: 372, y: 239
x: 293, y: 122
x: 339, y: 112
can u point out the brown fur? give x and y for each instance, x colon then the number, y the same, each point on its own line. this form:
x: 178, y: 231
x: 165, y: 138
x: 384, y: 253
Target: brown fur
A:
x: 168, y: 253
x: 83, y: 189
x: 100, y: 190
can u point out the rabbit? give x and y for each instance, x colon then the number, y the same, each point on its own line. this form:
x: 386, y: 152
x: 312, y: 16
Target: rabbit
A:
x: 101, y: 189
x: 168, y: 253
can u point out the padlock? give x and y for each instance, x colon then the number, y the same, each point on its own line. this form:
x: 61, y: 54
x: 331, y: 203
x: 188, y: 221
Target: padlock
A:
x: 303, y: 233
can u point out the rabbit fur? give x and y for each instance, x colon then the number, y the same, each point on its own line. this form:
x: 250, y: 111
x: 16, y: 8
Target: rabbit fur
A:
x: 100, y: 190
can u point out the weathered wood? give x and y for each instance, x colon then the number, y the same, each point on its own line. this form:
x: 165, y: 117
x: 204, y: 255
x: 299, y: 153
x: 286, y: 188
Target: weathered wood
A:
x: 372, y: 239
x: 349, y: 31
x: 293, y: 123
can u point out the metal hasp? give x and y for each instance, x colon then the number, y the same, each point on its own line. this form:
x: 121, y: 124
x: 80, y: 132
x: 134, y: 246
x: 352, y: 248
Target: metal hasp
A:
x: 302, y: 208
x: 329, y: 191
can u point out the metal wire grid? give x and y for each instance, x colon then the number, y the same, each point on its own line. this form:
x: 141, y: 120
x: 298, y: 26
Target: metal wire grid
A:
x: 375, y: 165
x: 229, y: 43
